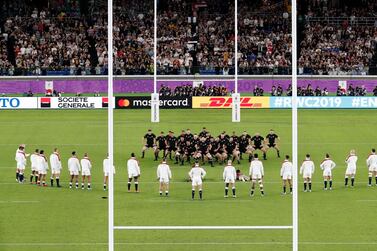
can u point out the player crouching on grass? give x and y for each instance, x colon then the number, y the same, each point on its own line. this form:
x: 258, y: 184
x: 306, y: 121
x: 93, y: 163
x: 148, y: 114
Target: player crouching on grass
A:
x: 351, y: 168
x: 272, y: 142
x: 229, y: 177
x: 56, y: 166
x: 372, y: 166
x: 256, y: 174
x: 196, y: 175
x: 164, y: 176
x: 34, y: 166
x: 74, y: 169
x: 149, y: 141
x: 42, y: 168
x: 106, y: 172
x: 133, y: 170
x: 327, y: 165
x: 86, y: 166
x: 286, y: 172
x: 307, y: 170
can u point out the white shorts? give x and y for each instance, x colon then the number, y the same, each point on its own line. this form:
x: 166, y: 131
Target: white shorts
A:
x: 307, y: 175
x: 256, y: 176
x: 327, y: 173
x: 20, y: 166
x: 132, y: 175
x: 229, y: 180
x: 55, y: 171
x: 164, y: 180
x: 287, y: 176
x: 373, y: 169
x: 34, y: 168
x: 350, y: 170
x: 85, y: 173
x: 74, y: 172
x: 197, y: 182
x: 42, y: 171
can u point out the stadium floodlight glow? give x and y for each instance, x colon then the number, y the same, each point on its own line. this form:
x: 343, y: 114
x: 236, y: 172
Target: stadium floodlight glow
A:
x: 236, y: 97
x: 155, y: 99
x: 294, y: 226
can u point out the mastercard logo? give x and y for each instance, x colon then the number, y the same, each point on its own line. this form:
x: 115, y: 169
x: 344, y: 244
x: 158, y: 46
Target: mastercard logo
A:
x: 123, y: 103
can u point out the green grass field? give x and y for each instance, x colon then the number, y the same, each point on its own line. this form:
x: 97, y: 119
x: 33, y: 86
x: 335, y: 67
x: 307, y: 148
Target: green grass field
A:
x: 35, y: 218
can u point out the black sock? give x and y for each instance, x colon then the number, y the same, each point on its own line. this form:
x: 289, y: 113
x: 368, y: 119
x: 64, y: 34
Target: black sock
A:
x: 234, y: 191
x: 166, y: 193
x: 262, y: 192
x: 142, y: 154
x: 155, y: 156
x: 211, y: 162
x: 89, y: 185
x: 330, y: 183
x: 21, y: 177
x: 346, y: 181
x: 36, y: 179
x: 290, y: 189
x: 170, y: 155
x: 136, y: 186
x: 226, y: 191
x: 129, y: 186
x: 310, y: 186
x: 352, y: 181
x: 264, y: 156
x: 325, y: 182
x: 305, y: 186
x: 370, y: 181
x: 193, y: 194
x: 250, y: 157
x: 278, y: 153
x: 284, y: 189
x: 104, y: 186
x: 200, y: 194
x: 252, y: 192
x: 17, y: 174
x: 376, y: 180
x: 31, y: 178
x: 58, y: 182
x: 176, y: 159
x: 77, y: 185
x: 52, y: 182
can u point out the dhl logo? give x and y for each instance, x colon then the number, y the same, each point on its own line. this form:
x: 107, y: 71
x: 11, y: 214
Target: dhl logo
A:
x: 226, y: 102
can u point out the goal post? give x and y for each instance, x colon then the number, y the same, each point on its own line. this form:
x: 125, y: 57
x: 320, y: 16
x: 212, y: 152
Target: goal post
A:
x: 155, y: 118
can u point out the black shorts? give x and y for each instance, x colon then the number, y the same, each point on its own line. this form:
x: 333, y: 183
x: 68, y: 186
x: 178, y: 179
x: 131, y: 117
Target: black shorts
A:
x: 149, y: 145
x: 162, y: 148
x: 173, y: 149
x: 258, y: 147
x: 271, y: 145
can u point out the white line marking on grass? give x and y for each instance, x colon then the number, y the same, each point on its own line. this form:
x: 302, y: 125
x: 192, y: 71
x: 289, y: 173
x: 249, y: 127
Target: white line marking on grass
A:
x: 186, y: 243
x: 19, y: 201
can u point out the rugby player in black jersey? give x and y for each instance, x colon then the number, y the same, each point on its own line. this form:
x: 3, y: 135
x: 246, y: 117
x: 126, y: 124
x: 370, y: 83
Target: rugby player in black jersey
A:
x: 257, y: 142
x: 149, y: 141
x: 181, y: 146
x: 243, y: 144
x: 189, y: 151
x: 232, y: 150
x: 161, y: 146
x: 272, y: 141
x: 171, y: 146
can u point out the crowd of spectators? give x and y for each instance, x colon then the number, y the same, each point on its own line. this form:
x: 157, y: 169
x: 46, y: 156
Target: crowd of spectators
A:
x: 333, y: 48
x: 190, y: 91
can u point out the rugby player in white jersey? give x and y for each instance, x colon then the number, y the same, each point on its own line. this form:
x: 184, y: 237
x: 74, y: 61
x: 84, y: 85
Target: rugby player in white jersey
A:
x: 42, y: 168
x: 372, y: 166
x: 327, y: 166
x: 74, y: 169
x: 164, y: 176
x: 286, y: 172
x: 307, y: 170
x: 86, y: 167
x: 351, y: 161
x: 229, y: 177
x: 256, y: 173
x: 196, y: 175
x: 21, y: 163
x: 133, y: 170
x: 34, y: 166
x: 106, y: 172
x: 56, y: 167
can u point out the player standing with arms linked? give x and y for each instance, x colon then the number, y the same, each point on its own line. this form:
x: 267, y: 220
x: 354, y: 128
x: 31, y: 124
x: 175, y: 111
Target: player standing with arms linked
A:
x: 307, y: 170
x: 133, y: 170
x: 56, y: 166
x: 86, y: 166
x: 327, y: 165
x: 74, y: 169
x: 286, y: 172
x: 34, y: 166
